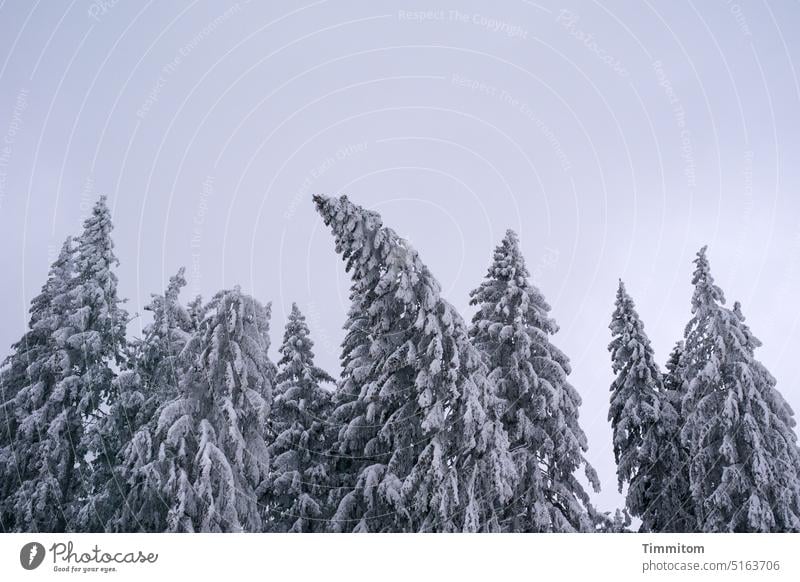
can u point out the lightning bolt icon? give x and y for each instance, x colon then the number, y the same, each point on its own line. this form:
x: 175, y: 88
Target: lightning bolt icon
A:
x: 32, y: 554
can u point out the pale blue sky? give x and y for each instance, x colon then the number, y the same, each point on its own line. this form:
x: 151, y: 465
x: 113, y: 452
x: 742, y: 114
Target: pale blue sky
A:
x: 616, y: 138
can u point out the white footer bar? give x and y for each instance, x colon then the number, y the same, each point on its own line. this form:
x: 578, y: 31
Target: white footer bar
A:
x: 407, y: 557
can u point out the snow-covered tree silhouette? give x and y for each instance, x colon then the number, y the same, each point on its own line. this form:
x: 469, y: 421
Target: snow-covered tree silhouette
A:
x: 512, y: 329
x: 119, y: 499
x: 419, y: 446
x: 212, y: 454
x: 645, y: 425
x: 739, y: 429
x: 299, y: 483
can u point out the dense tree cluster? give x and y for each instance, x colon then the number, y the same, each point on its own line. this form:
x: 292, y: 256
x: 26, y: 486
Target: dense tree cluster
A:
x: 434, y: 425
x: 710, y: 447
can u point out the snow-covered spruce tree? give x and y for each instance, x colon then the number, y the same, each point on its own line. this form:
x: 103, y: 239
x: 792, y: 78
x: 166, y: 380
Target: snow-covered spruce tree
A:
x: 210, y: 441
x: 634, y: 407
x: 156, y: 355
x: 97, y: 343
x: 512, y: 330
x: 674, y: 454
x: 122, y: 437
x: 739, y: 430
x: 419, y: 446
x: 15, y: 371
x: 38, y: 361
x: 87, y: 327
x: 298, y: 483
x: 645, y: 425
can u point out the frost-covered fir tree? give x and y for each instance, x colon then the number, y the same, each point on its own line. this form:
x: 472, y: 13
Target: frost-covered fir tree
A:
x: 87, y: 335
x: 299, y: 484
x: 210, y: 441
x: 644, y: 423
x: 419, y: 445
x: 38, y: 361
x: 635, y: 405
x: 15, y: 371
x: 739, y: 429
x: 512, y: 329
x: 123, y: 435
x: 156, y: 355
x: 674, y: 453
x: 97, y: 343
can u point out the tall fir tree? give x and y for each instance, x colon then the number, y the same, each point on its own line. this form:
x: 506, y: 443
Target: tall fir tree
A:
x: 644, y: 423
x: 512, y: 329
x: 420, y: 447
x: 674, y: 453
x: 98, y: 343
x: 30, y: 373
x: 212, y: 454
x: 738, y: 429
x: 155, y: 357
x: 121, y: 435
x: 69, y: 382
x: 299, y: 483
x: 35, y: 342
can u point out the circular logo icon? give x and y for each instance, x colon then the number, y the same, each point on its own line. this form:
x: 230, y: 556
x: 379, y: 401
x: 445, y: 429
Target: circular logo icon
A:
x: 31, y: 555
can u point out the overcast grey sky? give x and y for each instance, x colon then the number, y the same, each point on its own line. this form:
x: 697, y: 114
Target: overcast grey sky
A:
x: 616, y: 138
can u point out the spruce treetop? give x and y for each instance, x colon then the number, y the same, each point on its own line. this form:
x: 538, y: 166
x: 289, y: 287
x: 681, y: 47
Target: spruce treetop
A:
x: 99, y: 319
x: 738, y: 429
x: 95, y: 252
x: 298, y: 484
x: 297, y: 354
x: 630, y: 346
x: 415, y: 408
x: 539, y: 408
x: 706, y: 292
